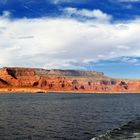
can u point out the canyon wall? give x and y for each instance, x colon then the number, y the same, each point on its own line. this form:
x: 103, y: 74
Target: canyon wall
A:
x: 63, y: 80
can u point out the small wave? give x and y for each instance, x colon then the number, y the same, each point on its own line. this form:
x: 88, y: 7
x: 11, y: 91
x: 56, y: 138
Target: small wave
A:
x: 130, y: 131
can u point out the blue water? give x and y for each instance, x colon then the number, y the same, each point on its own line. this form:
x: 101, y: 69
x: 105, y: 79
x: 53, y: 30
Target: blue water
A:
x: 58, y: 116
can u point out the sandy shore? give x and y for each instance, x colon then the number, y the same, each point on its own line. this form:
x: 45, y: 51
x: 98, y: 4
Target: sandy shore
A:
x: 15, y: 90
x: 37, y: 90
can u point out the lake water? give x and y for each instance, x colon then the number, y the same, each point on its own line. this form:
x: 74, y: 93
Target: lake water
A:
x: 58, y: 116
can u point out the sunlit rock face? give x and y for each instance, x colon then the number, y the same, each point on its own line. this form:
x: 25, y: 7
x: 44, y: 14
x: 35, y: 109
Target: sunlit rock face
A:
x: 64, y: 80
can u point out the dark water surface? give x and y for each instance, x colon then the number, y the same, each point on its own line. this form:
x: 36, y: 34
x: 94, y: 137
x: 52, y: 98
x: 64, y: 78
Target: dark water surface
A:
x: 58, y: 116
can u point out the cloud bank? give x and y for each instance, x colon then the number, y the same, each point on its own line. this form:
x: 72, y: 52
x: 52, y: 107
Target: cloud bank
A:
x: 66, y: 42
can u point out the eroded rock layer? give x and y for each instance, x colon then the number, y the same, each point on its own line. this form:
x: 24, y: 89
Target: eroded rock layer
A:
x: 63, y: 80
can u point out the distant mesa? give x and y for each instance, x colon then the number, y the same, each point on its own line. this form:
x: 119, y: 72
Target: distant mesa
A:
x: 14, y: 79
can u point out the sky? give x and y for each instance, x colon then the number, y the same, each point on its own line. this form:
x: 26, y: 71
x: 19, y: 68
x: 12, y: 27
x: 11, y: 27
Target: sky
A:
x: 100, y: 35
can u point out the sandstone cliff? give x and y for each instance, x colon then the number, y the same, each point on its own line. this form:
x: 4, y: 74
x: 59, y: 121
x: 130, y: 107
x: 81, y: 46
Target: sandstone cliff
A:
x: 38, y: 80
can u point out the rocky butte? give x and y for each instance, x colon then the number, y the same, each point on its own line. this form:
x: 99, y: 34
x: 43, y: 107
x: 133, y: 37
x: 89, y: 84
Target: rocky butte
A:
x: 42, y: 80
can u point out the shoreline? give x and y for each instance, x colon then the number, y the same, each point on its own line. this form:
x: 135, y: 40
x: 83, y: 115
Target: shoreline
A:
x: 22, y: 90
x: 38, y: 90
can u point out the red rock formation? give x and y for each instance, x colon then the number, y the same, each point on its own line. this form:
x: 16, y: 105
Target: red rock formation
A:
x: 27, y: 79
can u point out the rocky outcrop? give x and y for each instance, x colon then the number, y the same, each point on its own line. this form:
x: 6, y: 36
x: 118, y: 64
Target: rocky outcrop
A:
x: 13, y: 79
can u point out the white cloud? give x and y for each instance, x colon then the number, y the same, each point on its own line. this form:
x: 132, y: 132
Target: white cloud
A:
x: 67, y: 1
x: 64, y: 43
x: 130, y: 60
x: 97, y: 14
x: 59, y: 1
x: 5, y: 14
x: 129, y: 0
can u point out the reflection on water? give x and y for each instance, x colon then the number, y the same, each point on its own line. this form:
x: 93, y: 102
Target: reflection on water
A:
x: 57, y: 116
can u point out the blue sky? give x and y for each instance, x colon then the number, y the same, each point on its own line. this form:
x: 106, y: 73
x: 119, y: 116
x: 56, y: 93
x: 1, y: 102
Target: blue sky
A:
x: 119, y: 9
x: 100, y: 35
